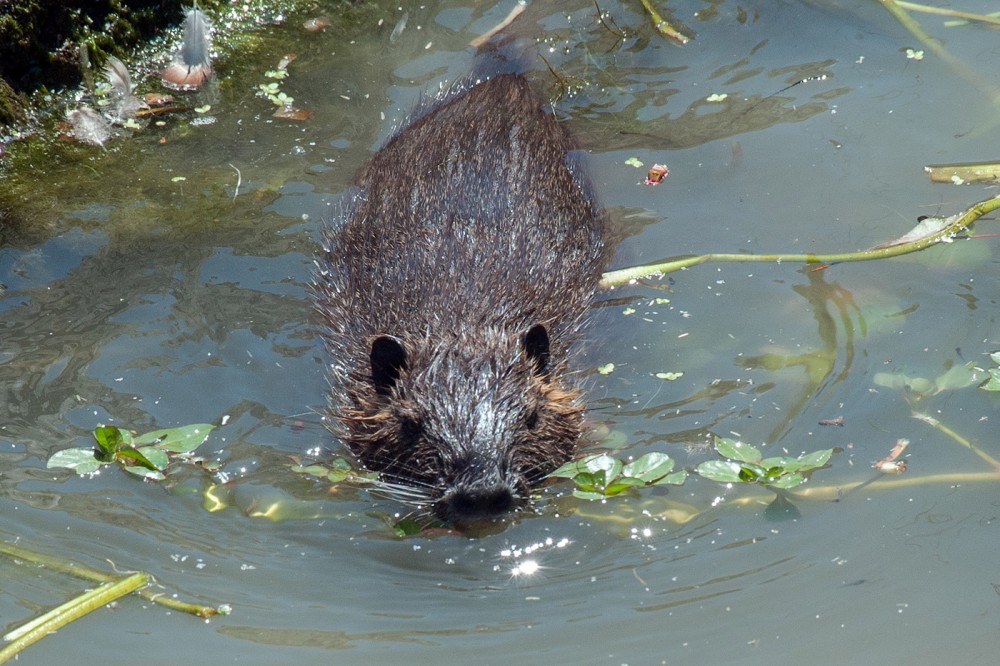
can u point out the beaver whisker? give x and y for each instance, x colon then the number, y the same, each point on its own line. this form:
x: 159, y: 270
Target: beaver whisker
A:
x: 404, y: 494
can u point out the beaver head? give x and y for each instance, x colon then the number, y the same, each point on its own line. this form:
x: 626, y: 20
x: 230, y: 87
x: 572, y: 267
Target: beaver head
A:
x: 467, y: 425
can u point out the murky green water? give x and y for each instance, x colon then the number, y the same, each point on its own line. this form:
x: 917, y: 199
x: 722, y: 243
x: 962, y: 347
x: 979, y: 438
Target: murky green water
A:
x: 139, y: 299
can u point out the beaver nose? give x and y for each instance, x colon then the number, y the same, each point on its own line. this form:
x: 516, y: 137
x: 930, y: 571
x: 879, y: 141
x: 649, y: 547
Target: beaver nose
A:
x: 476, y: 503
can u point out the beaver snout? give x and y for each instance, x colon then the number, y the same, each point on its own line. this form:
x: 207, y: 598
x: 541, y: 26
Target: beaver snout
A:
x: 481, y: 487
x: 475, y: 503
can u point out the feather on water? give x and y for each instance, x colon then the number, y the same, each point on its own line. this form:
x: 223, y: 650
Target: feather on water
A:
x: 89, y: 126
x: 123, y: 103
x: 192, y: 63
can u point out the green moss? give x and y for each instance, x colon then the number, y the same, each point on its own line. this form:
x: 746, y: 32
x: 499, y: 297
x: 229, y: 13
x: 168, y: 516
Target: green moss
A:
x: 66, y: 164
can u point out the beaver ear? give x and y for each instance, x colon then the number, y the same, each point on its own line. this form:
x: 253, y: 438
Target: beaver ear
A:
x: 536, y: 348
x: 388, y: 359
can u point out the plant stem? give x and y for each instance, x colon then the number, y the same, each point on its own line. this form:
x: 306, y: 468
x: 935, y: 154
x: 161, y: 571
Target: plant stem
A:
x: 959, y: 223
x: 76, y: 608
x: 954, y: 13
x: 934, y: 46
x: 96, y: 575
x: 968, y: 172
x: 934, y: 423
x: 901, y: 481
x: 663, y: 26
x: 830, y: 492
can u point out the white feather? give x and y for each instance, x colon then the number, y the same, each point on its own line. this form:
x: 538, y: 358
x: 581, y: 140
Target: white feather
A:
x: 192, y: 64
x: 89, y: 126
x: 197, y: 46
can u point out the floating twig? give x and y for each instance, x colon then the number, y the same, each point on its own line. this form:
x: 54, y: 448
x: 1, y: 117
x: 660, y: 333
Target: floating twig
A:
x: 96, y: 575
x: 239, y: 181
x: 946, y: 232
x: 485, y: 37
x: 663, y: 26
x: 961, y: 441
x: 603, y: 17
x: 964, y: 172
x: 898, y: 10
x: 953, y: 13
x: 91, y: 600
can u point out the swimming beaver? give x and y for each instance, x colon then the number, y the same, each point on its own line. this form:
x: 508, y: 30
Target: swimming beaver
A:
x: 451, y: 296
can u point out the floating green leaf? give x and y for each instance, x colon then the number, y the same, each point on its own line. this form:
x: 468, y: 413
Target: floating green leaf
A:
x: 339, y: 470
x: 311, y: 470
x: 109, y: 440
x: 957, y: 377
x: 588, y: 495
x: 156, y: 457
x: 674, y: 479
x: 786, y: 481
x: 650, y: 467
x: 133, y: 456
x: 81, y: 461
x: 145, y: 473
x: 599, y: 476
x: 183, y: 439
x: 621, y: 484
x: 736, y: 450
x: 814, y: 460
x: 723, y: 471
x: 994, y: 383
x: 406, y: 527
x: 746, y: 466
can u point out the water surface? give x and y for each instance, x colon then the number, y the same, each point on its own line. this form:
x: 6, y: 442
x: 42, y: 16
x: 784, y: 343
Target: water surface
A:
x: 136, y: 298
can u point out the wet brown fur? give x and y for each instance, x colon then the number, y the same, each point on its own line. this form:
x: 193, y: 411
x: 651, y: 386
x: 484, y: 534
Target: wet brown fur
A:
x: 464, y: 265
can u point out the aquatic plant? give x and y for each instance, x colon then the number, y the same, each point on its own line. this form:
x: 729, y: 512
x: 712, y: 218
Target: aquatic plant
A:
x: 146, y: 456
x: 338, y: 470
x: 994, y: 382
x: 745, y: 464
x: 601, y: 475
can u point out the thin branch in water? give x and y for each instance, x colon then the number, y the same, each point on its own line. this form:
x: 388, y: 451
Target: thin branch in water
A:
x: 962, y: 441
x: 947, y: 231
x: 485, y: 37
x: 40, y: 627
x: 818, y: 77
x: 896, y: 8
x: 603, y: 17
x: 954, y: 13
x: 96, y: 575
x: 963, y: 172
x: 663, y: 26
x: 239, y: 180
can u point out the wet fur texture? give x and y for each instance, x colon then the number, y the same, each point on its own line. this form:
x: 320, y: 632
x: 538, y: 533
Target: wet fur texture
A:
x: 451, y: 297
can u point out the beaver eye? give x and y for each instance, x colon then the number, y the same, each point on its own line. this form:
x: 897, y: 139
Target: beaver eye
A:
x: 531, y: 420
